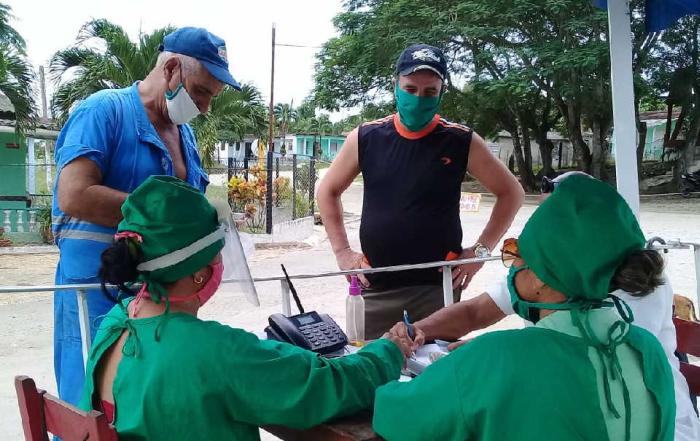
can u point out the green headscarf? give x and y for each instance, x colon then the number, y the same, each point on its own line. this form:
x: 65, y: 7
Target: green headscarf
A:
x: 574, y: 242
x: 179, y: 231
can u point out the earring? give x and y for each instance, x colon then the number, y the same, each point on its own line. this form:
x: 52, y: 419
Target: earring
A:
x: 199, y: 280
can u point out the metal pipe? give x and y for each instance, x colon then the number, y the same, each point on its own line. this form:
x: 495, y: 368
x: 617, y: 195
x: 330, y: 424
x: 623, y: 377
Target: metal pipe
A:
x: 672, y: 245
x: 84, y: 322
x: 696, y: 253
x: 36, y: 133
x: 286, y: 302
x: 13, y: 289
x: 447, y: 285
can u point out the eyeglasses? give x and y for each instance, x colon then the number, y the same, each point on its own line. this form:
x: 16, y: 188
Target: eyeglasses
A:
x: 547, y: 185
x: 509, y: 252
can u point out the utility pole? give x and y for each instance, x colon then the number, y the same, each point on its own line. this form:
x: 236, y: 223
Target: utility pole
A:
x: 45, y: 118
x: 42, y: 84
x: 270, y: 141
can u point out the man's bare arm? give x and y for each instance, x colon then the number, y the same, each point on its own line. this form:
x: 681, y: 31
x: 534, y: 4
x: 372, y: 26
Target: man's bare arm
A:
x: 82, y: 195
x: 343, y: 170
x: 497, y: 179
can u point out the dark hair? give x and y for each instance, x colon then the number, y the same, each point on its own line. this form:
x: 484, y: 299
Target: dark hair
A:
x: 118, y: 268
x: 640, y: 274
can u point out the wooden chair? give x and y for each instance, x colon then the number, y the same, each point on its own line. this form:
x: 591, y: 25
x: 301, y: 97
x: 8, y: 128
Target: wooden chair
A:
x: 43, y: 413
x: 688, y: 341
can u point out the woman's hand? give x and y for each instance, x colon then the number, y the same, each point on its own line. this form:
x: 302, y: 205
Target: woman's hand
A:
x: 404, y: 343
x: 400, y: 331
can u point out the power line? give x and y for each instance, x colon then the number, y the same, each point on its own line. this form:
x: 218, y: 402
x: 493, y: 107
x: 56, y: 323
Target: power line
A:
x: 298, y: 45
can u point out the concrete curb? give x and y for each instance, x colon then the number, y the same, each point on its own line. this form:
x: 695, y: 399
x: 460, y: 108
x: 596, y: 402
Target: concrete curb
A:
x: 30, y: 249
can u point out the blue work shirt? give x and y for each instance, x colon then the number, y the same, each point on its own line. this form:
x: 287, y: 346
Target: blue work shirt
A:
x: 112, y: 129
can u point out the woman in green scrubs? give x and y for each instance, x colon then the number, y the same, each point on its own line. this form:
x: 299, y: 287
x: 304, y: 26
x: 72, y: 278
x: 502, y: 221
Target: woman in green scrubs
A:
x: 583, y: 372
x: 160, y: 373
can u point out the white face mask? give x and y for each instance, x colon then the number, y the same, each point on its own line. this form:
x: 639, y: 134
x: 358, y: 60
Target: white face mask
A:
x: 181, y: 108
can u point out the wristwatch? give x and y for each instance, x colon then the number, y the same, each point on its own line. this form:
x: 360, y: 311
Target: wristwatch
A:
x: 481, y: 250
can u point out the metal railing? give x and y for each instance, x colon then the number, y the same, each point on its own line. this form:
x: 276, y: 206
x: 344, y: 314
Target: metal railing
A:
x: 446, y: 266
x: 82, y: 289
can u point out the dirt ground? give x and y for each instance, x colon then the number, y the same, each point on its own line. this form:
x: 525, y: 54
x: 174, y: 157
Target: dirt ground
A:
x: 26, y: 319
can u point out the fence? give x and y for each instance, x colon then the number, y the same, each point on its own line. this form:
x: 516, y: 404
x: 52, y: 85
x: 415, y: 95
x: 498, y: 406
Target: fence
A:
x: 22, y: 220
x: 446, y: 266
x: 293, y: 189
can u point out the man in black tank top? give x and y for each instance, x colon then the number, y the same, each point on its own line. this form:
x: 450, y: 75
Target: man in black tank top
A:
x: 412, y: 164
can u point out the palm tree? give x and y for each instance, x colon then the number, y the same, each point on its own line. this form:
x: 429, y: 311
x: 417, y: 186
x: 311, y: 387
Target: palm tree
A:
x: 285, y: 114
x: 307, y: 109
x: 232, y: 115
x: 82, y: 70
x: 16, y: 74
x: 118, y: 63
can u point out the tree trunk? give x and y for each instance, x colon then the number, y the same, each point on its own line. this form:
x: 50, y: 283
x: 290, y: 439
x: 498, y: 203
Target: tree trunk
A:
x: 581, y: 151
x: 527, y: 146
x: 546, y: 154
x: 527, y: 179
x: 561, y: 154
x: 641, y: 144
x: 546, y: 147
x: 686, y: 156
x: 598, y: 149
x: 692, y: 137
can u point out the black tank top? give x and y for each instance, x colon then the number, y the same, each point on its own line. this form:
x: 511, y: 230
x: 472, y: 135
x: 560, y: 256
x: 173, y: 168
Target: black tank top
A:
x: 412, y: 187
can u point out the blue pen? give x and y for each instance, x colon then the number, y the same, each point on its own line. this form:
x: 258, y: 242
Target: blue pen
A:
x: 407, y: 322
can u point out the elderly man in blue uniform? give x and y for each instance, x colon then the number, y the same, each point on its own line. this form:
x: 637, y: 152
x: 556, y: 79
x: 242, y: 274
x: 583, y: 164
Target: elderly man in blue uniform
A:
x: 413, y: 164
x: 111, y: 143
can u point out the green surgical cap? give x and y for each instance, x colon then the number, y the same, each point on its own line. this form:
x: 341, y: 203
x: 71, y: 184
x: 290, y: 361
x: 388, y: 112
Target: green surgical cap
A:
x: 174, y: 221
x: 575, y: 241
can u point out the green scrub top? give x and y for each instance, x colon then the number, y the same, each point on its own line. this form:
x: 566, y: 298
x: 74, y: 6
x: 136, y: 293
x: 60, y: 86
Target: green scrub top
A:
x: 536, y: 384
x: 206, y: 381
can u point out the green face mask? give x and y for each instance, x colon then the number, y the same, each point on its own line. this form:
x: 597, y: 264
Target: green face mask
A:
x: 415, y: 112
x: 528, y: 310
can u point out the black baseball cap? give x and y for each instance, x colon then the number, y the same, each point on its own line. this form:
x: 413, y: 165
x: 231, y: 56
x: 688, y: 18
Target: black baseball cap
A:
x: 422, y: 57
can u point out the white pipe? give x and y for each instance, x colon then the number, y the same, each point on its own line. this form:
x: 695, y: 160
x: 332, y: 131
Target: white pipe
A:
x: 31, y: 166
x: 42, y: 288
x: 36, y: 133
x: 84, y: 322
x: 47, y: 163
x: 286, y: 303
x: 447, y: 285
x: 696, y: 253
x: 625, y: 132
x: 670, y: 245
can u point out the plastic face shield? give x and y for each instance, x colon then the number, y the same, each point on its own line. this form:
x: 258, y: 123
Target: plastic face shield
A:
x: 236, y: 278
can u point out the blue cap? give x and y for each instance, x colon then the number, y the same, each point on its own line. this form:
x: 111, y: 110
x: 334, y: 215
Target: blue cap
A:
x: 422, y: 57
x: 203, y: 46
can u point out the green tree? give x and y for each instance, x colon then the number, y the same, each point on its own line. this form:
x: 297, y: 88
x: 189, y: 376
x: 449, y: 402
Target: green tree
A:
x: 285, y: 114
x: 231, y: 116
x: 542, y: 60
x: 679, y: 80
x: 103, y: 57
x: 16, y: 73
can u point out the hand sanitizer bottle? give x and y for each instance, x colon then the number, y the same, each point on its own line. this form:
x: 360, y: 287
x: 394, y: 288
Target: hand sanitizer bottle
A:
x: 355, y: 313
